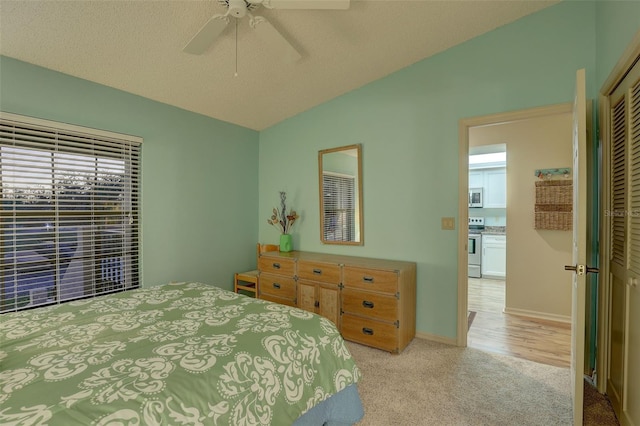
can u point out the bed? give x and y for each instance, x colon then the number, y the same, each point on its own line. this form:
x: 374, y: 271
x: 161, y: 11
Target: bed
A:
x: 181, y: 353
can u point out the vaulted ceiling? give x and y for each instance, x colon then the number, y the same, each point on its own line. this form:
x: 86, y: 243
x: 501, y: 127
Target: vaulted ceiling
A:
x: 136, y: 46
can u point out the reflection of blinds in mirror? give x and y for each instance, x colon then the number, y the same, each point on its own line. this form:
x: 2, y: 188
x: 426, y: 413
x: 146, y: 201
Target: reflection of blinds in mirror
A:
x: 339, y: 206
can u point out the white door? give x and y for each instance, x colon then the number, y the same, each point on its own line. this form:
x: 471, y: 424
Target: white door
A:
x: 578, y: 294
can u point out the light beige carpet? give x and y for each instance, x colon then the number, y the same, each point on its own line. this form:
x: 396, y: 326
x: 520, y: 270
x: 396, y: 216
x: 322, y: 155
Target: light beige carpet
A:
x: 436, y: 384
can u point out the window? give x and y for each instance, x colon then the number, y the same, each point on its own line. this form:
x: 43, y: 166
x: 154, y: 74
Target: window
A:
x: 339, y: 206
x: 69, y: 215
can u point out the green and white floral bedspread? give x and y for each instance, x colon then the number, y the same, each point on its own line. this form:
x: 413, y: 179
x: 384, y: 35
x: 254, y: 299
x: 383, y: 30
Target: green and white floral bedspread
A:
x: 184, y: 353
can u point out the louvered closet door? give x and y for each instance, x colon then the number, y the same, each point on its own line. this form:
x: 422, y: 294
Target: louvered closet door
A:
x: 617, y: 234
x: 631, y: 404
x: 623, y: 384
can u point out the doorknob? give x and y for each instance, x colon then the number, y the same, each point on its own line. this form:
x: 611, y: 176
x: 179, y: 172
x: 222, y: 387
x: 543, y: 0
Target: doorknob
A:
x: 581, y: 269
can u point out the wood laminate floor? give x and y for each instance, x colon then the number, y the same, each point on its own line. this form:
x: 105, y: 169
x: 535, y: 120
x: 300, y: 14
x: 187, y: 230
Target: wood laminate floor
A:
x: 491, y: 330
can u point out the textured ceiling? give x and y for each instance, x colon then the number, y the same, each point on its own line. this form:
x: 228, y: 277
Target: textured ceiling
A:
x: 136, y: 46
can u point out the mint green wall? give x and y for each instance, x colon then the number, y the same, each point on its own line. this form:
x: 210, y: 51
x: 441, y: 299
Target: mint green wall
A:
x: 199, y: 175
x: 617, y: 22
x: 202, y: 177
x: 339, y: 162
x: 407, y: 124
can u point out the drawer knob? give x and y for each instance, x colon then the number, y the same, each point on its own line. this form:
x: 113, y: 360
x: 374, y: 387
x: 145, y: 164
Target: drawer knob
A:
x: 367, y: 331
x: 317, y: 271
x: 367, y: 279
x: 276, y: 285
x: 367, y: 304
x: 276, y: 266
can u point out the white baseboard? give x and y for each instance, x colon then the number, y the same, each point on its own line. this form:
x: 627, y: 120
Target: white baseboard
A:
x: 538, y: 315
x: 436, y: 338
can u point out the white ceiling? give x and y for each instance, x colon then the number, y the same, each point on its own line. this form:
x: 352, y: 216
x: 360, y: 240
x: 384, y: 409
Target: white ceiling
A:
x: 136, y: 46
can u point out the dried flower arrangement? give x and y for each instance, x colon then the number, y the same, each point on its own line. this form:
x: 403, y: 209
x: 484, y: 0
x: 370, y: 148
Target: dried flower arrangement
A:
x: 280, y: 219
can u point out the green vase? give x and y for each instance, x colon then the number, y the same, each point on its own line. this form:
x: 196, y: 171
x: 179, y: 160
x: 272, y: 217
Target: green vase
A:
x: 285, y: 243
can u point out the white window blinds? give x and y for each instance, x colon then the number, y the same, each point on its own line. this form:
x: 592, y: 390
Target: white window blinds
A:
x: 69, y: 216
x: 339, y: 207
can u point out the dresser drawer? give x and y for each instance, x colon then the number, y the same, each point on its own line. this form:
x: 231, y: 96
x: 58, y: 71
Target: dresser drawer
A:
x: 318, y: 271
x: 370, y: 305
x: 371, y: 279
x: 369, y: 332
x: 276, y: 265
x: 277, y: 285
x: 279, y: 300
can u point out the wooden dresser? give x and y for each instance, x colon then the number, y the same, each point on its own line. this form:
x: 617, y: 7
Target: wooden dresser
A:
x: 371, y: 301
x: 278, y: 278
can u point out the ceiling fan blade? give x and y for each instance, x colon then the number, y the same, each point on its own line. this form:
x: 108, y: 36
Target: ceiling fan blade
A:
x: 276, y: 42
x: 303, y: 4
x: 206, y: 35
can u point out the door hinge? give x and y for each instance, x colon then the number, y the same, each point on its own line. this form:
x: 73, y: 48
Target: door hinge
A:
x: 397, y: 323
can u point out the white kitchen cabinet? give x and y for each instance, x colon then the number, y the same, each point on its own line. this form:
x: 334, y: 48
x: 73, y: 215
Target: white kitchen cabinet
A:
x: 494, y: 256
x: 493, y: 181
x: 476, y: 179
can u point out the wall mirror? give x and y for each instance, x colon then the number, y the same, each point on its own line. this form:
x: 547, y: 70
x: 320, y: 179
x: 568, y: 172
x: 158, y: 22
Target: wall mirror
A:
x: 340, y: 181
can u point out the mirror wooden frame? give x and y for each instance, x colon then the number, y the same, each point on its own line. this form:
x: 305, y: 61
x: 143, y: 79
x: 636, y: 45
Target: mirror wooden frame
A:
x: 358, y: 214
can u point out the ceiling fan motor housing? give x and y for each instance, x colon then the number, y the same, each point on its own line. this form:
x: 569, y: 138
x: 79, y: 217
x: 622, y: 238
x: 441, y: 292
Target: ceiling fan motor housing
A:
x: 237, y: 8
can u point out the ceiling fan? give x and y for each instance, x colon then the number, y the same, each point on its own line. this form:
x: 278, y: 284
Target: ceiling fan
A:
x: 238, y: 9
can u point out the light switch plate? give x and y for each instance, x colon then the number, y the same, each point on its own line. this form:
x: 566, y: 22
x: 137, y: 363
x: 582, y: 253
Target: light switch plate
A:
x: 448, y: 223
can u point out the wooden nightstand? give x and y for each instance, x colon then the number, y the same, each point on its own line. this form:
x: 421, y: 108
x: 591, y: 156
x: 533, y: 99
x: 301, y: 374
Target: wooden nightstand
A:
x: 246, y: 281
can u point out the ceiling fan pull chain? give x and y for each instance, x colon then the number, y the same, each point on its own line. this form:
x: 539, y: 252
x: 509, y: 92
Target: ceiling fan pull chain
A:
x: 236, y: 73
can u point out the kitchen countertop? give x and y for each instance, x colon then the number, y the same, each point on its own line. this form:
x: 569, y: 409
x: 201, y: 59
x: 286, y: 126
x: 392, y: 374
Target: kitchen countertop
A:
x: 494, y: 230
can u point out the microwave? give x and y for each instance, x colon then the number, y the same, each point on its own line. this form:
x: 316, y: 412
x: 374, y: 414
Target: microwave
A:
x: 475, y: 197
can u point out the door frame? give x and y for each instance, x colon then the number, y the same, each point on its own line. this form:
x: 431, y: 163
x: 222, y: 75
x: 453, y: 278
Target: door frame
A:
x: 463, y: 189
x: 617, y: 74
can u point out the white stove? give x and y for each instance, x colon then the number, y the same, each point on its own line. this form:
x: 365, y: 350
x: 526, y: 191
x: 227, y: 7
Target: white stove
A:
x: 476, y: 224
x: 474, y: 245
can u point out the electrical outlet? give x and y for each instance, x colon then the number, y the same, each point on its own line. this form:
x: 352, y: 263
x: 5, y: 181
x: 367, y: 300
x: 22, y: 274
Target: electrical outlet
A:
x: 448, y: 223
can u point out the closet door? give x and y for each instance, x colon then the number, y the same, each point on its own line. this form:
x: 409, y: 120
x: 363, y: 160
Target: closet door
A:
x: 617, y: 233
x: 623, y: 381
x: 631, y: 403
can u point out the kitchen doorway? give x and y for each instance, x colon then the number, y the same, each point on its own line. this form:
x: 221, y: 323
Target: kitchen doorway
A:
x: 522, y: 308
x: 486, y: 243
